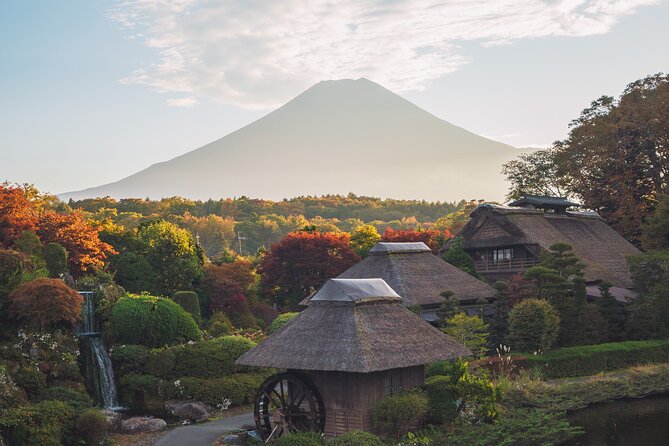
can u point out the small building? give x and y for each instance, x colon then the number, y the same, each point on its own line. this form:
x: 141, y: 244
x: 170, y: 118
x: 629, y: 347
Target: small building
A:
x: 506, y: 240
x: 352, y: 346
x: 420, y: 277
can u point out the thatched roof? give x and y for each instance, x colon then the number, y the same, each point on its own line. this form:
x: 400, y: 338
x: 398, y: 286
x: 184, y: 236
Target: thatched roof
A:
x: 602, y: 249
x: 363, y: 333
x: 417, y: 275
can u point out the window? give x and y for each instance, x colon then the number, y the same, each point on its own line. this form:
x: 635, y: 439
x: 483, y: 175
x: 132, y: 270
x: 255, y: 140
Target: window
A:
x: 497, y: 255
x: 392, y: 384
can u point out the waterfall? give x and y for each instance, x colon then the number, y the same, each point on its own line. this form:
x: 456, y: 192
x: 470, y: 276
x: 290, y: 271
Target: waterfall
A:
x: 99, y: 371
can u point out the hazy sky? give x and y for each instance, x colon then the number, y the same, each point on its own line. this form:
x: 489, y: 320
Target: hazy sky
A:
x: 93, y: 91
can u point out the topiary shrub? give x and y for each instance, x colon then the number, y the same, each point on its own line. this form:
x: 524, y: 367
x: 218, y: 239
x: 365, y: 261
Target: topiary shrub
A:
x: 356, y: 438
x: 239, y: 388
x: 220, y: 325
x: 298, y: 439
x: 280, y: 321
x: 533, y: 325
x: 45, y: 303
x: 205, y: 359
x: 188, y: 300
x: 91, y: 427
x: 442, y: 400
x: 398, y: 414
x: 129, y: 358
x: 151, y: 321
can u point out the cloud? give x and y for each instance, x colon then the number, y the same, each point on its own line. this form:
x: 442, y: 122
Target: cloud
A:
x: 182, y: 102
x: 258, y: 54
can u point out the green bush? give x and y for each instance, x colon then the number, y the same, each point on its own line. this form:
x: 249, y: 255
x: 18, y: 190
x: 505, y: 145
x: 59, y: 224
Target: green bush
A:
x: 220, y: 325
x: 151, y: 321
x: 397, y: 414
x: 356, y: 438
x: 238, y: 388
x: 204, y: 359
x: 129, y: 358
x: 280, y: 321
x: 453, y: 369
x: 189, y: 301
x: 77, y: 400
x: 592, y: 359
x: 533, y: 325
x: 30, y: 380
x: 91, y: 427
x: 298, y: 439
x: 43, y: 424
x: 140, y: 383
x: 55, y: 256
x: 442, y: 401
x: 520, y: 427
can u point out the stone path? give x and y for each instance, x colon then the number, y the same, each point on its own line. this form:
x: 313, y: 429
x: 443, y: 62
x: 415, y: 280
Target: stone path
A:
x: 204, y: 434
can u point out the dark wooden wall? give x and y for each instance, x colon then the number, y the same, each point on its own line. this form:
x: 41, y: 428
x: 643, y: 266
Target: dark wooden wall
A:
x: 349, y: 398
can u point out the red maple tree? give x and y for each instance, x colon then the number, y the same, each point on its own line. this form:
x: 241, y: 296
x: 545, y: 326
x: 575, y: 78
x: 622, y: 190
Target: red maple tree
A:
x: 299, y: 263
x: 17, y: 214
x: 46, y: 303
x: 432, y: 238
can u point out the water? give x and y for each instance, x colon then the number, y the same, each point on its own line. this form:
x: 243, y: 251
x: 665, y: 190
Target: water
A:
x: 643, y: 422
x: 99, y: 370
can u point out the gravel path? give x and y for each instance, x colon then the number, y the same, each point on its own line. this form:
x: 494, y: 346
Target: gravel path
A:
x: 204, y: 434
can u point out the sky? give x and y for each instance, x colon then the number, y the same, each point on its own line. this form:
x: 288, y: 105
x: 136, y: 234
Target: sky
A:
x: 93, y: 91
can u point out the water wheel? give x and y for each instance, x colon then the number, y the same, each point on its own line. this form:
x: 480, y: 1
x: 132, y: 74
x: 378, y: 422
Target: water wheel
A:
x: 288, y: 402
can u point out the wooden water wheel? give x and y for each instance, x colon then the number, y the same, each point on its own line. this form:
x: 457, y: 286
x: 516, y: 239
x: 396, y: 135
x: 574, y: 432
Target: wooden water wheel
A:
x: 288, y: 402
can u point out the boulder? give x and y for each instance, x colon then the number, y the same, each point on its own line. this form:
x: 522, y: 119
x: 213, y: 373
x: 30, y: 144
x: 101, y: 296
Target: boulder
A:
x: 188, y: 410
x: 142, y: 424
x: 114, y: 419
x: 232, y: 440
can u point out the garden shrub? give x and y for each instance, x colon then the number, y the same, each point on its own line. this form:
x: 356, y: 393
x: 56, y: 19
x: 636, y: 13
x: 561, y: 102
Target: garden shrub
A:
x: 519, y: 427
x: 31, y: 380
x: 533, y: 325
x: 189, y: 301
x: 280, y: 321
x: 55, y: 257
x: 45, y: 303
x: 75, y: 399
x: 397, y: 414
x: 10, y: 395
x: 264, y: 313
x: 151, y: 321
x: 453, y: 369
x: 129, y: 358
x: 220, y: 325
x: 204, y: 359
x: 442, y: 402
x: 298, y: 439
x: 592, y: 359
x: 43, y: 424
x: 140, y: 383
x: 238, y: 388
x: 356, y: 438
x: 91, y: 427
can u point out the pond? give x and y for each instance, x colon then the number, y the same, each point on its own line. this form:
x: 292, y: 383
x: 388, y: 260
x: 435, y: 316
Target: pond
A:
x: 643, y: 422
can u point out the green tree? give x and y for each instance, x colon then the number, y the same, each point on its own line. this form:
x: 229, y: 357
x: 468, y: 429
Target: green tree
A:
x: 535, y: 173
x: 613, y: 313
x: 655, y: 233
x: 171, y: 253
x: 458, y: 257
x: 363, y: 238
x: 134, y: 272
x: 55, y: 257
x: 470, y: 331
x: 533, y: 326
x: 449, y: 308
x: 649, y: 313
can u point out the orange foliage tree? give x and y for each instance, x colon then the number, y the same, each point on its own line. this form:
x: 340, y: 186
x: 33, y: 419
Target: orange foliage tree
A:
x: 45, y: 303
x: 81, y: 240
x: 17, y: 214
x: 298, y: 264
x: 432, y: 238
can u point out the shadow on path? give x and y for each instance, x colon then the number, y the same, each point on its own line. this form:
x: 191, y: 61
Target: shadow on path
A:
x: 204, y: 434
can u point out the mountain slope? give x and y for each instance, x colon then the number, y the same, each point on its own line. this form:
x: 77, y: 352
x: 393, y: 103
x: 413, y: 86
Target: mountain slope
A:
x: 337, y: 137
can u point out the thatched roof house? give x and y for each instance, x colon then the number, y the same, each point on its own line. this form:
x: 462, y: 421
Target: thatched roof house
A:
x: 418, y: 276
x: 505, y: 240
x: 352, y: 346
x: 354, y: 325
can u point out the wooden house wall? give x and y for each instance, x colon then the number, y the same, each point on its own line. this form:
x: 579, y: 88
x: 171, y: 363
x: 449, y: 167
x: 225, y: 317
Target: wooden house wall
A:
x: 349, y: 398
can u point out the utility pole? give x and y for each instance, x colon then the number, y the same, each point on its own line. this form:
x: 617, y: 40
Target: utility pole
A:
x: 240, y: 237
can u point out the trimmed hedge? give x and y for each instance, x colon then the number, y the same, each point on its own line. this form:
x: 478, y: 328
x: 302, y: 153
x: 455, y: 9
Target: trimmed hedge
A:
x: 204, y: 359
x: 239, y: 388
x: 280, y: 321
x: 151, y: 321
x: 356, y: 438
x: 593, y: 359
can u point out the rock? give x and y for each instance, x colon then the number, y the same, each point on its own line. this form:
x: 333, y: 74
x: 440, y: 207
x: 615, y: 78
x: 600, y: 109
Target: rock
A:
x: 232, y: 440
x: 188, y: 410
x: 142, y: 424
x: 248, y: 427
x: 114, y: 419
